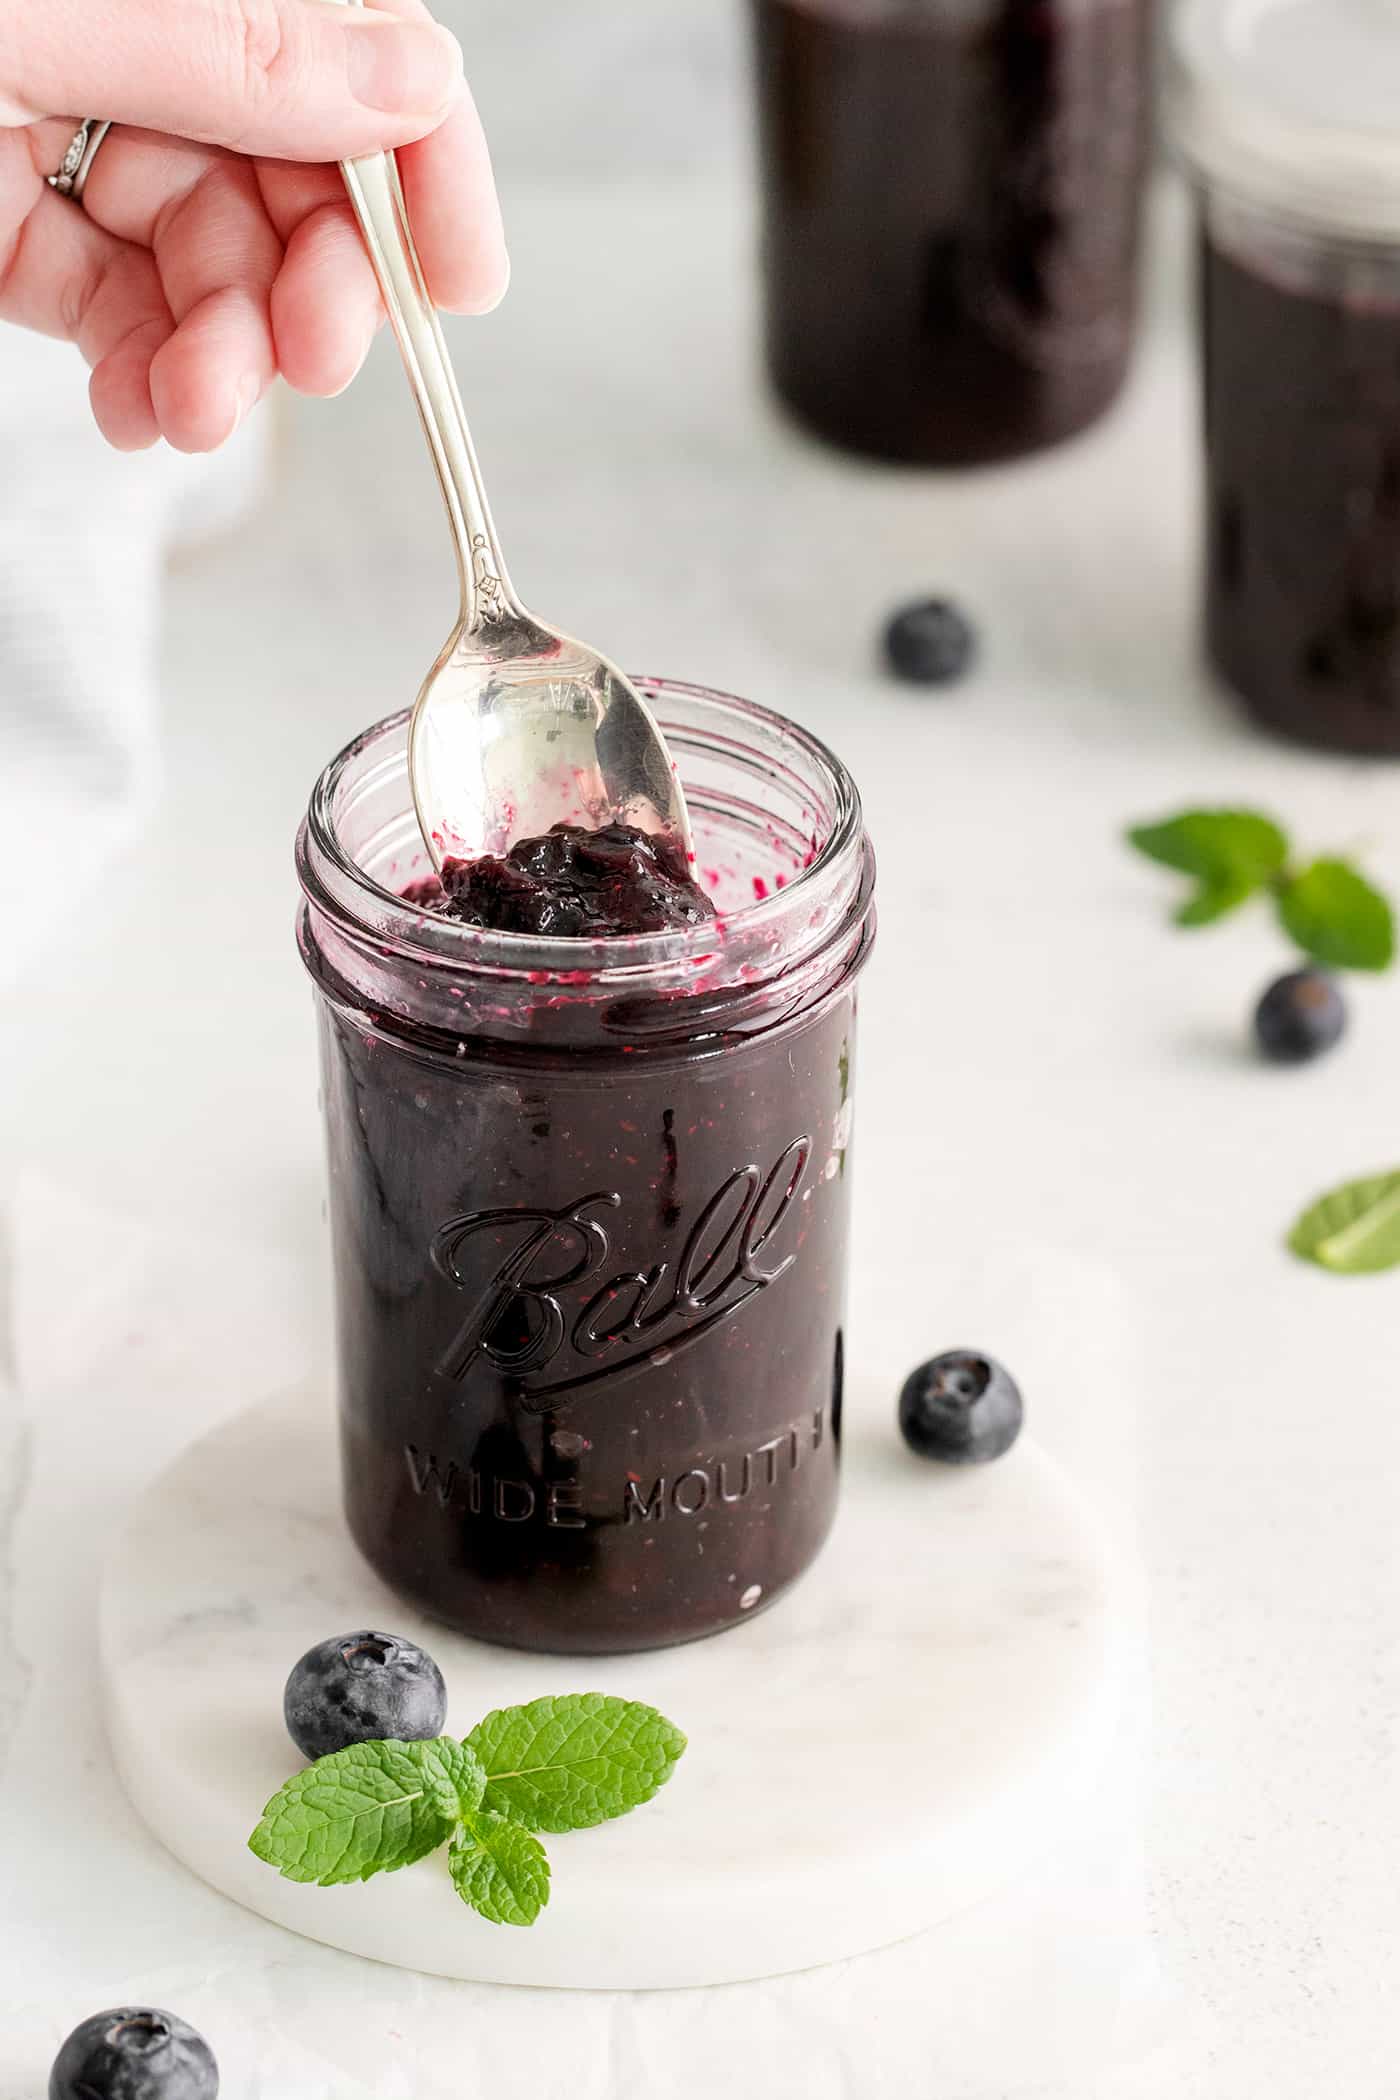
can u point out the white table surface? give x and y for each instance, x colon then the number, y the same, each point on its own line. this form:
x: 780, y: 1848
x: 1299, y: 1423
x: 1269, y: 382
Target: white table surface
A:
x: 1044, y: 1064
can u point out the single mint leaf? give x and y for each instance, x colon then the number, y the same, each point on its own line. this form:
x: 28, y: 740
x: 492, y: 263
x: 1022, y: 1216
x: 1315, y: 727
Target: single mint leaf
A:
x: 456, y: 1775
x: 500, y: 1870
x: 1354, y: 1231
x: 1336, y: 916
x: 368, y: 1809
x: 1214, y: 900
x: 1223, y: 848
x: 567, y: 1763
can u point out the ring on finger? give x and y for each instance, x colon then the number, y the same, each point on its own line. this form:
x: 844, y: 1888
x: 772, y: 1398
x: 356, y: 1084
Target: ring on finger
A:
x: 76, y: 164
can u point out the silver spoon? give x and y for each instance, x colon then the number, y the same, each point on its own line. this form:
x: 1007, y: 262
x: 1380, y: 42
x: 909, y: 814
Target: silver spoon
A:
x: 517, y: 726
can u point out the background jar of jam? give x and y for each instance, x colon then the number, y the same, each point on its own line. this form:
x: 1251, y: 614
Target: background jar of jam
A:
x: 1288, y: 114
x: 951, y: 193
x: 588, y: 1205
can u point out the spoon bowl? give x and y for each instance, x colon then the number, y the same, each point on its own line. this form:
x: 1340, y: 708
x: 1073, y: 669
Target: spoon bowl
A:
x: 517, y: 727
x: 523, y: 728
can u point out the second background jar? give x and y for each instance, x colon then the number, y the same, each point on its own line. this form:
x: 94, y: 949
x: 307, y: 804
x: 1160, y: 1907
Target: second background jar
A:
x: 952, y: 193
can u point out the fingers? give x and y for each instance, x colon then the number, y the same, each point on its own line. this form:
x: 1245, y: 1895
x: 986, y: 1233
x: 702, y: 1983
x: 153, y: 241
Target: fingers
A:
x: 147, y: 187
x: 452, y: 202
x: 325, y: 303
x: 455, y: 215
x: 218, y: 256
x: 212, y: 371
x: 206, y: 212
x: 120, y: 388
x: 57, y: 267
x: 124, y: 324
x: 69, y: 278
x: 136, y: 178
x: 193, y: 274
x: 300, y: 79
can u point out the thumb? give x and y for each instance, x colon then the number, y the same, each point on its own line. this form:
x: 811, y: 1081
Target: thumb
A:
x: 295, y: 79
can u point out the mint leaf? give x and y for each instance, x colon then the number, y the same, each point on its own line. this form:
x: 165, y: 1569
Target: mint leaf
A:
x: 1231, y: 852
x: 1355, y: 1230
x: 1222, y: 847
x: 1214, y: 900
x: 1336, y: 916
x: 567, y: 1763
x: 368, y: 1809
x: 500, y: 1870
x: 456, y: 1774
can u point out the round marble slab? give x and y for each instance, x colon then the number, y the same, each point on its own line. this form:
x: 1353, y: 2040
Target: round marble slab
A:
x: 887, y: 1745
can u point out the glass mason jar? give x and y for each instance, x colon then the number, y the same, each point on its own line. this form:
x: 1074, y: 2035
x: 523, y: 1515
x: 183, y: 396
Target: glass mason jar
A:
x: 588, y: 1205
x: 1286, y: 113
x: 951, y: 205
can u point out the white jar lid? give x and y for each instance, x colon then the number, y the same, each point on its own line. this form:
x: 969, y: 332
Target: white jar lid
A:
x: 1293, y: 105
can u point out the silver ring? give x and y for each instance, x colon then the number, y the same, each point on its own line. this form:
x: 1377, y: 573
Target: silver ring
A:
x: 76, y: 164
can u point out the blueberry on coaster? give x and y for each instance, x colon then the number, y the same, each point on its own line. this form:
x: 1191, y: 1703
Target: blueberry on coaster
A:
x: 134, y: 2053
x: 363, y: 1688
x: 961, y: 1408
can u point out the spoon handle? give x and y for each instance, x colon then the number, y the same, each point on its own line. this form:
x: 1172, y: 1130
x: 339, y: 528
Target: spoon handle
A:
x: 377, y: 195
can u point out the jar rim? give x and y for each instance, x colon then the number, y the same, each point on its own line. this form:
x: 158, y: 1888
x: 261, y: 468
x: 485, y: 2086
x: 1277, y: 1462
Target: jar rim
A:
x: 336, y: 885
x: 1253, y: 110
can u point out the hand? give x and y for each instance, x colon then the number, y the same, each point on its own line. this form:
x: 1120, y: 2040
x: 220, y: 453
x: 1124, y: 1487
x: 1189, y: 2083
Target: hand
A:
x: 214, y: 247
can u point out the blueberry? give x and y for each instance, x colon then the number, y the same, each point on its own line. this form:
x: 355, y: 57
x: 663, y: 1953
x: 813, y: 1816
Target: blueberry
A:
x: 134, y: 2053
x: 1300, y: 1017
x: 363, y: 1688
x: 963, y: 1408
x: 930, y: 643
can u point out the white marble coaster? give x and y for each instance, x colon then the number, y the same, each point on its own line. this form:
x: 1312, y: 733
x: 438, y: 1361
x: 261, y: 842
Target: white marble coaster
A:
x: 892, y: 1742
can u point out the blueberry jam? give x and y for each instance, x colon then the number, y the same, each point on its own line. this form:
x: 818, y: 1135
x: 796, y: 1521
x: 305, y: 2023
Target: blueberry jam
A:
x: 575, y: 884
x: 1302, y: 399
x: 589, y: 1218
x: 951, y: 207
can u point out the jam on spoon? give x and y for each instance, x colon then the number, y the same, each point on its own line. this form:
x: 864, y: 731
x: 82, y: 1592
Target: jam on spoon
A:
x: 570, y: 883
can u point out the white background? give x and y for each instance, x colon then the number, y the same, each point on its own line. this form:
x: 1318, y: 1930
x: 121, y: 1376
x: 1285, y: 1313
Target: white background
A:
x: 1043, y: 1064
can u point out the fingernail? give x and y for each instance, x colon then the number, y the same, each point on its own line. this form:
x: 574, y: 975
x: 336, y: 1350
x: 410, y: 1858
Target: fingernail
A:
x: 493, y: 299
x: 479, y: 303
x: 403, y: 68
x: 249, y: 395
x: 366, y: 346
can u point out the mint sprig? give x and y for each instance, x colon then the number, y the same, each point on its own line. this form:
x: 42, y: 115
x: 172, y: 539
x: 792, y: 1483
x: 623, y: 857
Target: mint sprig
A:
x: 1353, y: 1230
x: 1326, y: 907
x: 558, y: 1764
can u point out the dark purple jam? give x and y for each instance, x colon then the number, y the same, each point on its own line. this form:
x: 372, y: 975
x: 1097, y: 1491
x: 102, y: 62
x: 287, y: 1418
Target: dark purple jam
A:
x: 951, y: 217
x: 1302, y: 404
x: 590, y: 1271
x: 575, y: 884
